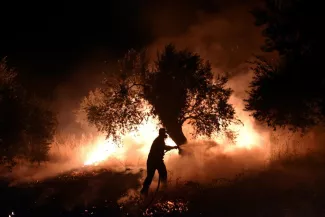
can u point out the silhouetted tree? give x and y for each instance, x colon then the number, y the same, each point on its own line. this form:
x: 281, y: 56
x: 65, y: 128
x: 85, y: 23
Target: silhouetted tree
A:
x: 178, y: 87
x: 26, y: 127
x: 291, y: 26
x: 283, y: 99
x: 289, y: 91
x: 40, y: 128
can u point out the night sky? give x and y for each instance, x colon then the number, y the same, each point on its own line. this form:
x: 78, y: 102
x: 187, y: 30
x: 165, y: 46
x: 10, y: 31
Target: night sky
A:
x: 46, y: 41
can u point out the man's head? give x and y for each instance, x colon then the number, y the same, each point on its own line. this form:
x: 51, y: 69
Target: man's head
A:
x: 162, y: 132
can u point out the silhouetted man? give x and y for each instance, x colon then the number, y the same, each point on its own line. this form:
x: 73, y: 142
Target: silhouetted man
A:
x: 155, y: 161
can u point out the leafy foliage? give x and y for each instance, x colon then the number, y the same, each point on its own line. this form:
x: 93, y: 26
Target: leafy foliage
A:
x: 118, y: 107
x: 40, y: 125
x: 26, y: 127
x: 290, y: 26
x: 177, y: 87
x: 182, y: 87
x: 280, y: 99
x: 289, y: 92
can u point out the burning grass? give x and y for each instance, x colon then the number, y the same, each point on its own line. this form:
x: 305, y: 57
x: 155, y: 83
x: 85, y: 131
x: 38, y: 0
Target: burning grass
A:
x: 276, y: 190
x: 90, y: 175
x: 287, y: 186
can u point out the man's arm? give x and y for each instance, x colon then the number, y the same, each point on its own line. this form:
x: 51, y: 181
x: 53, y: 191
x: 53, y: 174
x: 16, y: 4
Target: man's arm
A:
x: 168, y: 148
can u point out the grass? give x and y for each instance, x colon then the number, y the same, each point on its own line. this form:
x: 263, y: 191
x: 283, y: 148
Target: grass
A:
x: 71, y: 194
x: 288, y: 186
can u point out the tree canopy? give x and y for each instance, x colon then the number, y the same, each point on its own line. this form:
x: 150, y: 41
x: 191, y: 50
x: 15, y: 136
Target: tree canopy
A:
x: 178, y: 87
x: 26, y: 127
x: 289, y: 91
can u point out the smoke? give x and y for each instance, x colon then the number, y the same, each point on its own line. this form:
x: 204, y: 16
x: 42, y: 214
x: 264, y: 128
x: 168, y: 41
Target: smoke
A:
x: 223, y: 39
x: 227, y: 39
x: 227, y: 42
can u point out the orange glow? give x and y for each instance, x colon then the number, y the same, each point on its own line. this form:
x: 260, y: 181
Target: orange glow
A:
x: 103, y: 148
x: 136, y: 145
x: 247, y: 136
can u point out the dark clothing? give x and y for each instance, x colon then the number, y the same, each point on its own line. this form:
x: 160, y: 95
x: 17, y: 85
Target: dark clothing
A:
x: 152, y: 166
x: 156, y: 162
x: 157, y: 150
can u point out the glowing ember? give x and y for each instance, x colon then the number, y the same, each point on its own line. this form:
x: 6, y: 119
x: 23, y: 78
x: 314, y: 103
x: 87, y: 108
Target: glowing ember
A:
x: 170, y: 207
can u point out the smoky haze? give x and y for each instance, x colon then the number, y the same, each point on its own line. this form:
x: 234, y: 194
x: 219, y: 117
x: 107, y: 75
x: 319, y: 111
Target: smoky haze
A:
x: 222, y: 32
x: 225, y: 35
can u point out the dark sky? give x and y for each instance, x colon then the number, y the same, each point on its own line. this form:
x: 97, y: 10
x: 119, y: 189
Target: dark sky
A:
x: 45, y: 41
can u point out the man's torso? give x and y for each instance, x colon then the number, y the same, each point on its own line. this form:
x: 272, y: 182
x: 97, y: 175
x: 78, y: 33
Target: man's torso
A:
x: 157, y: 150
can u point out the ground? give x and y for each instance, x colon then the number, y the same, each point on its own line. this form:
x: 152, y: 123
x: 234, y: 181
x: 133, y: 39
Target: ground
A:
x: 287, y: 187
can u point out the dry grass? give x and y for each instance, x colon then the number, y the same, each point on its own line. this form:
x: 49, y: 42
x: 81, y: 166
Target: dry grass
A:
x: 291, y: 184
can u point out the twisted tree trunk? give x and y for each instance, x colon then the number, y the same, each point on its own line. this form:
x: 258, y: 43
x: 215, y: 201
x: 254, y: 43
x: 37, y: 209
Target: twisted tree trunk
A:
x: 175, y: 132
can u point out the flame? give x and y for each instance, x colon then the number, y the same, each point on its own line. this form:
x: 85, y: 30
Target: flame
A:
x: 247, y: 136
x: 103, y: 148
x: 136, y: 145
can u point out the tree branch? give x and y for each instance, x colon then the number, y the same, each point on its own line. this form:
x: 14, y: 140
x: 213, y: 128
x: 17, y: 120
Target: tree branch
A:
x: 136, y: 84
x: 194, y: 117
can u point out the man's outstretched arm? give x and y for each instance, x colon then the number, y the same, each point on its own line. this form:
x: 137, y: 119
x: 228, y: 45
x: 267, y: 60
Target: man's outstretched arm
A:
x: 168, y: 148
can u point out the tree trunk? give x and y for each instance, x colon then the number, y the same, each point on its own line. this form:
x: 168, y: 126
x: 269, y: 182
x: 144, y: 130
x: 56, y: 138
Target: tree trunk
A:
x: 176, y: 134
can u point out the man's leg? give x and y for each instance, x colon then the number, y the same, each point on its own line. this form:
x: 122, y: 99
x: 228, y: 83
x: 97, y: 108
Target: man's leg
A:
x: 162, y: 173
x: 150, y: 174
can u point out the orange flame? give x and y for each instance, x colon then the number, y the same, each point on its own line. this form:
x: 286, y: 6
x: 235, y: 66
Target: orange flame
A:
x: 103, y: 148
x: 248, y: 137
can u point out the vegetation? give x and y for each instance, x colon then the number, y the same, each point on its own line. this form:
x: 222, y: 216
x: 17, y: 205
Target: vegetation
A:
x: 283, y: 188
x: 290, y: 91
x: 178, y: 87
x: 26, y: 127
